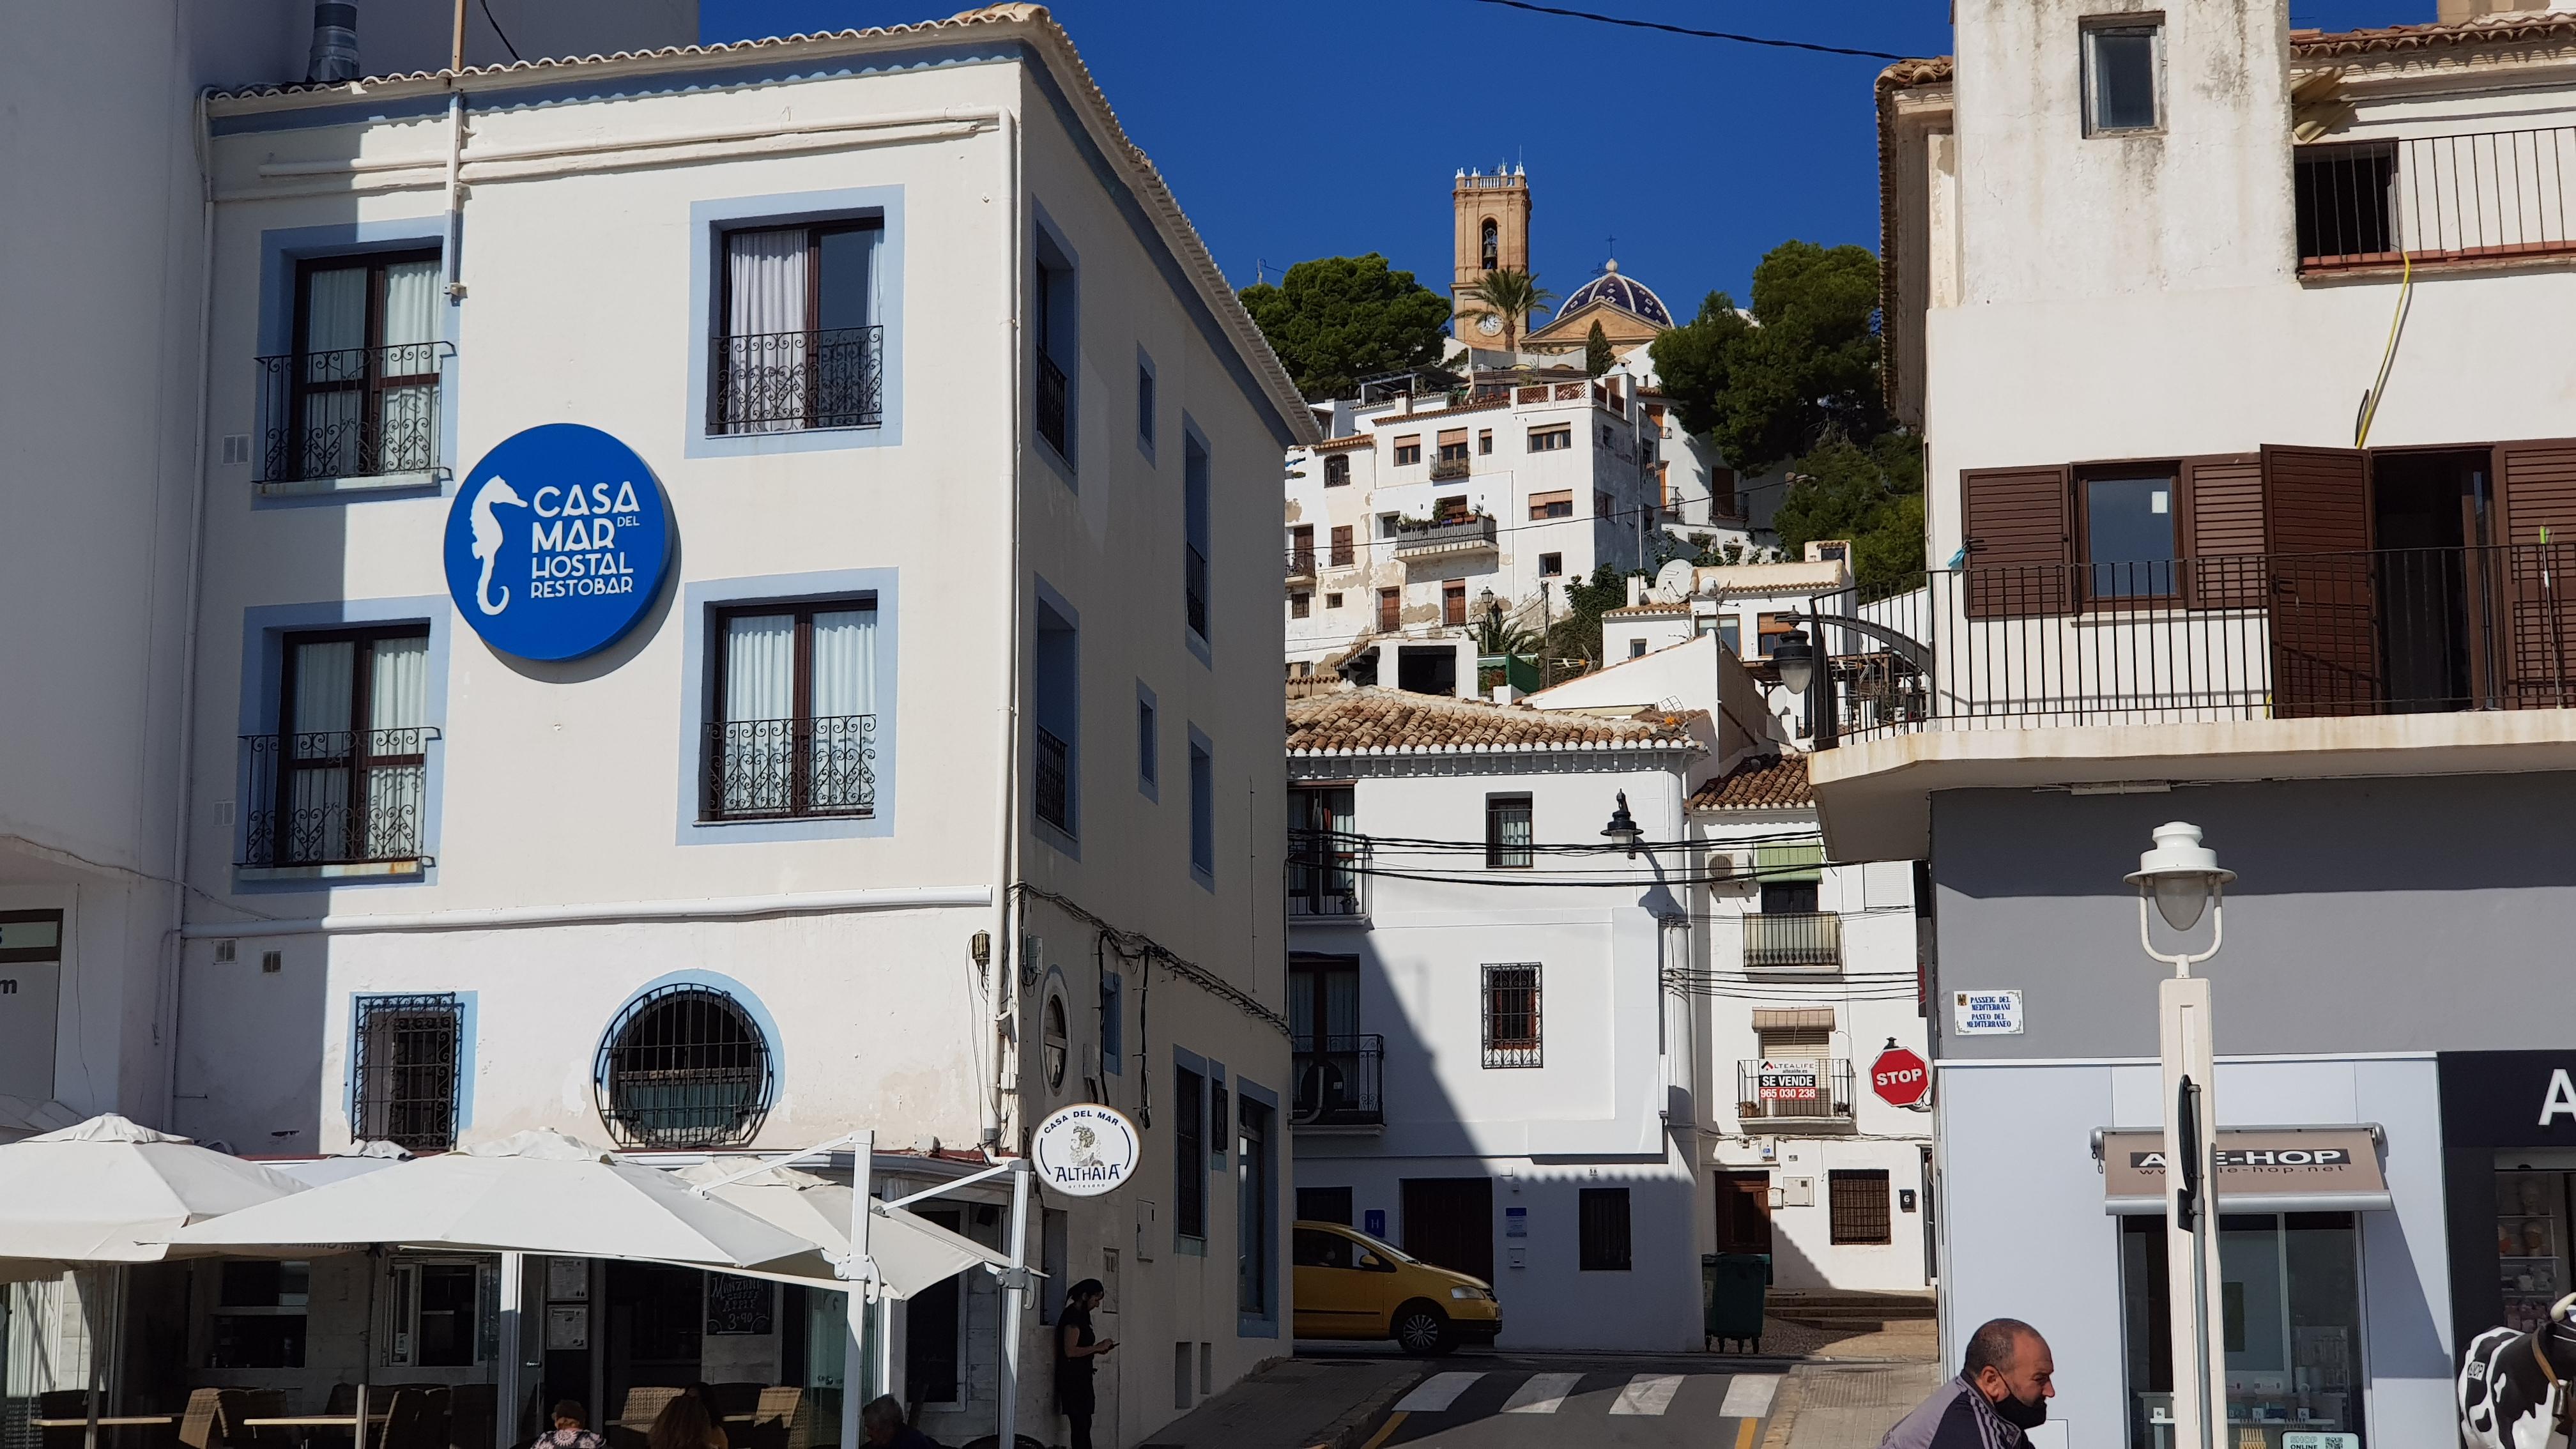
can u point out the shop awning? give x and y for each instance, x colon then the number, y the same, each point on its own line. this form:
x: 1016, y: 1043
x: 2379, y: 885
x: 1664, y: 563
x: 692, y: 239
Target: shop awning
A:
x: 2260, y: 1170
x: 1792, y: 1017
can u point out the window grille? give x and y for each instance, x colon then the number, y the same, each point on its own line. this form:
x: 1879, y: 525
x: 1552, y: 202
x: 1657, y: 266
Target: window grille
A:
x: 684, y: 1067
x: 1511, y: 1016
x: 406, y: 1070
x: 1858, y: 1202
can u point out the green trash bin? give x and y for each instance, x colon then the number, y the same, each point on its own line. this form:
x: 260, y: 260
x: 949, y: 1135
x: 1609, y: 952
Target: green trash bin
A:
x: 1732, y: 1286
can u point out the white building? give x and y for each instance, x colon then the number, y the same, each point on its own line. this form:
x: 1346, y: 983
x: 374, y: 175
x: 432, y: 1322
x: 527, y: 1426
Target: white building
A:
x: 1490, y: 1071
x: 2238, y: 353
x: 885, y: 803
x: 1802, y: 970
x: 1432, y: 497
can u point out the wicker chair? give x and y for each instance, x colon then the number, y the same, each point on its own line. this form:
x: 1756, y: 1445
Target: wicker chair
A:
x: 635, y: 1420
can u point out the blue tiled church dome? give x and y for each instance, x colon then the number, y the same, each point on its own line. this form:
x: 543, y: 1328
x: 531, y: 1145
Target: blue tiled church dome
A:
x: 1623, y: 292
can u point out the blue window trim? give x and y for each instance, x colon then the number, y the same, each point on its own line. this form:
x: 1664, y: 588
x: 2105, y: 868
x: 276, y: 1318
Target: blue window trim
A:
x: 1205, y: 875
x: 1263, y: 1325
x: 1148, y: 421
x: 743, y: 996
x: 1186, y: 1244
x: 708, y: 221
x: 1113, y: 1024
x: 263, y: 673
x: 1190, y: 433
x: 698, y: 603
x: 468, y: 1005
x: 280, y: 250
x: 1070, y: 844
x: 1068, y: 355
x: 1149, y: 749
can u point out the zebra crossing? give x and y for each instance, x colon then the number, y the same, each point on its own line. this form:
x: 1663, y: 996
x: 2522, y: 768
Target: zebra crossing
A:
x: 1644, y: 1395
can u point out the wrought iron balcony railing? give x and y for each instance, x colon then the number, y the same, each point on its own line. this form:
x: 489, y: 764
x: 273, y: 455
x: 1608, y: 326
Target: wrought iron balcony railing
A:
x: 1053, y: 785
x: 1793, y: 941
x: 2432, y: 200
x: 1444, y: 470
x: 1301, y: 563
x: 356, y: 412
x: 335, y: 797
x: 2214, y: 638
x: 788, y: 382
x: 784, y: 769
x: 1803, y: 1089
x: 1464, y: 535
x: 1327, y: 874
x: 1340, y: 1081
x: 1051, y: 404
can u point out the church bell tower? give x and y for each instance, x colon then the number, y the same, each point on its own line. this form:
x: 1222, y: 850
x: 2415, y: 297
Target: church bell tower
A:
x: 1493, y: 214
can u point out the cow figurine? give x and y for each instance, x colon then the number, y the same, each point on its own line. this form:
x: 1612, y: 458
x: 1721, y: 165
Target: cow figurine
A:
x: 2513, y: 1386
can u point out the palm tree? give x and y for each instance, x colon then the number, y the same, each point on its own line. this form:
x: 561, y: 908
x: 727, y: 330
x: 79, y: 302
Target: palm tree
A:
x: 1510, y: 295
x: 1497, y: 635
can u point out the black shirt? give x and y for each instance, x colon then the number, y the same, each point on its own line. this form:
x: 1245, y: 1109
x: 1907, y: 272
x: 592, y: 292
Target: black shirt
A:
x: 1079, y: 1320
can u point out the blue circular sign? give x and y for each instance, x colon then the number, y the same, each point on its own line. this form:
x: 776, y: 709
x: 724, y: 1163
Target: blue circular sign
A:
x: 557, y: 542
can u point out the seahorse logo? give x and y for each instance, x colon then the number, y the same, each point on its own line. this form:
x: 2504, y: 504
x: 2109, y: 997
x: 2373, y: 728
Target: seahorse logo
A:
x: 487, y: 541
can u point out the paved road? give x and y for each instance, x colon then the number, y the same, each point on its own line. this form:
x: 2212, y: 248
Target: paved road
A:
x: 1546, y: 1401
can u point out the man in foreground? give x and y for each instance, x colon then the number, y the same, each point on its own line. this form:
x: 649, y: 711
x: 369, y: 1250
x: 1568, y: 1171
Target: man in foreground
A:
x: 2003, y: 1389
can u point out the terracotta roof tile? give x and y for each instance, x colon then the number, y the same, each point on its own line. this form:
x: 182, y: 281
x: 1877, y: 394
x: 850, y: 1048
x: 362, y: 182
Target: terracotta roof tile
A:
x: 1382, y: 721
x: 2484, y: 29
x: 1344, y: 445
x: 1769, y: 782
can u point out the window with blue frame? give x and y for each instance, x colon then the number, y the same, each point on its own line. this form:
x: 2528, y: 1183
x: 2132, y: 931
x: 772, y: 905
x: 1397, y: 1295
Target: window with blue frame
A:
x: 1202, y: 810
x: 1189, y: 1153
x: 1194, y: 538
x: 802, y: 342
x: 1145, y: 403
x: 344, y: 776
x: 1148, y: 743
x: 794, y: 733
x: 358, y: 395
x: 1056, y: 711
x: 1052, y: 318
x: 1255, y: 1174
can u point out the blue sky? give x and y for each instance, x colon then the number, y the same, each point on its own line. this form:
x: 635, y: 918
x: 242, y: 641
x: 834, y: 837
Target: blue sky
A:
x: 1306, y: 128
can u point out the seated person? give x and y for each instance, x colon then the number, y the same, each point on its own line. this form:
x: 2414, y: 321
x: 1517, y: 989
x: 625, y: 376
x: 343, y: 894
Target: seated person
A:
x: 881, y: 1419
x: 569, y: 1431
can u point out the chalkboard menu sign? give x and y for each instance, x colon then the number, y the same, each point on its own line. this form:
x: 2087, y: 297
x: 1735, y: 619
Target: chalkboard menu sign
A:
x: 740, y: 1306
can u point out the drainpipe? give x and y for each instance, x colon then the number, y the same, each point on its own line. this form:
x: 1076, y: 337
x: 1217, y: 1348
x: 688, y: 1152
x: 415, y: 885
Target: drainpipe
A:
x: 1003, y: 983
x: 183, y: 818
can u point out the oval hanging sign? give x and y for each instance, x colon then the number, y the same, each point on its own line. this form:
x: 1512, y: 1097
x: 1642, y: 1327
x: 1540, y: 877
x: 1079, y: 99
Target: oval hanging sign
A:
x: 557, y: 542
x: 1085, y: 1150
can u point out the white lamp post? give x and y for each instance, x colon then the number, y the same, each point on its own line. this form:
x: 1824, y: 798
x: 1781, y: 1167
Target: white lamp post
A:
x: 2183, y: 878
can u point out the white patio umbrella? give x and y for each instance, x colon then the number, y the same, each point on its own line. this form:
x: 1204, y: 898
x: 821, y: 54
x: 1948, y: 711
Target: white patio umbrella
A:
x: 535, y: 1192
x: 109, y: 1191
x: 911, y: 1252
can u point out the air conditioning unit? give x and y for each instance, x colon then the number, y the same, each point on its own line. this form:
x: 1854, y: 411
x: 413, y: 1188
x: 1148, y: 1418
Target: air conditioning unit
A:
x: 1729, y: 864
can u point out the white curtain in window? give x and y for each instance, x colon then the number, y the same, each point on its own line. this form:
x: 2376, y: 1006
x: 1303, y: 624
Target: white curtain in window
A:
x: 405, y: 430
x: 335, y: 336
x: 397, y: 712
x: 757, y: 741
x: 765, y: 321
x: 845, y: 663
x: 315, y: 825
x: 843, y: 775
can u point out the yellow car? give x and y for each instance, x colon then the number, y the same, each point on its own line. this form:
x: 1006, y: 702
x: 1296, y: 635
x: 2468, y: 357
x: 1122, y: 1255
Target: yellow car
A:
x: 1350, y: 1285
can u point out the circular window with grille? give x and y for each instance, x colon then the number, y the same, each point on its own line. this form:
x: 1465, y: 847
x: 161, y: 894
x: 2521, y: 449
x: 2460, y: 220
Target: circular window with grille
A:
x: 684, y: 1066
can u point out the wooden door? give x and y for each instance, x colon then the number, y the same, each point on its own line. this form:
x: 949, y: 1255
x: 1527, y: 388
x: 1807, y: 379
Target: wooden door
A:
x: 2324, y: 606
x: 2536, y: 571
x: 1449, y: 1223
x: 1744, y: 1212
x: 2020, y: 533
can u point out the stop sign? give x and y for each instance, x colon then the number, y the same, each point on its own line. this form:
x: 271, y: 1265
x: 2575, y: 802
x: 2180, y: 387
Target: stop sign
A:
x: 1900, y: 1078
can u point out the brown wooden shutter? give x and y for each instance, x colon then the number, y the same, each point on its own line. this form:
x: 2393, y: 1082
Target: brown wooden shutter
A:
x: 2325, y: 639
x: 2537, y: 485
x: 2223, y: 534
x: 2021, y: 541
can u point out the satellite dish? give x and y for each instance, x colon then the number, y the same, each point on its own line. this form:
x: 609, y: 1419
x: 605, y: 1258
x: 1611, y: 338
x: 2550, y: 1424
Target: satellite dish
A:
x: 1674, y: 580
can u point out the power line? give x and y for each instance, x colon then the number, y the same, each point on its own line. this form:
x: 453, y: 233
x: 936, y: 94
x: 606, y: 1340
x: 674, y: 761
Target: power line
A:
x: 497, y: 30
x: 1687, y: 30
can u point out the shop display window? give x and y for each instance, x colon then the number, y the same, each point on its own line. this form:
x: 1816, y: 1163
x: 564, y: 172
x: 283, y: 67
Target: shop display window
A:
x: 2289, y: 1321
x: 2531, y: 1242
